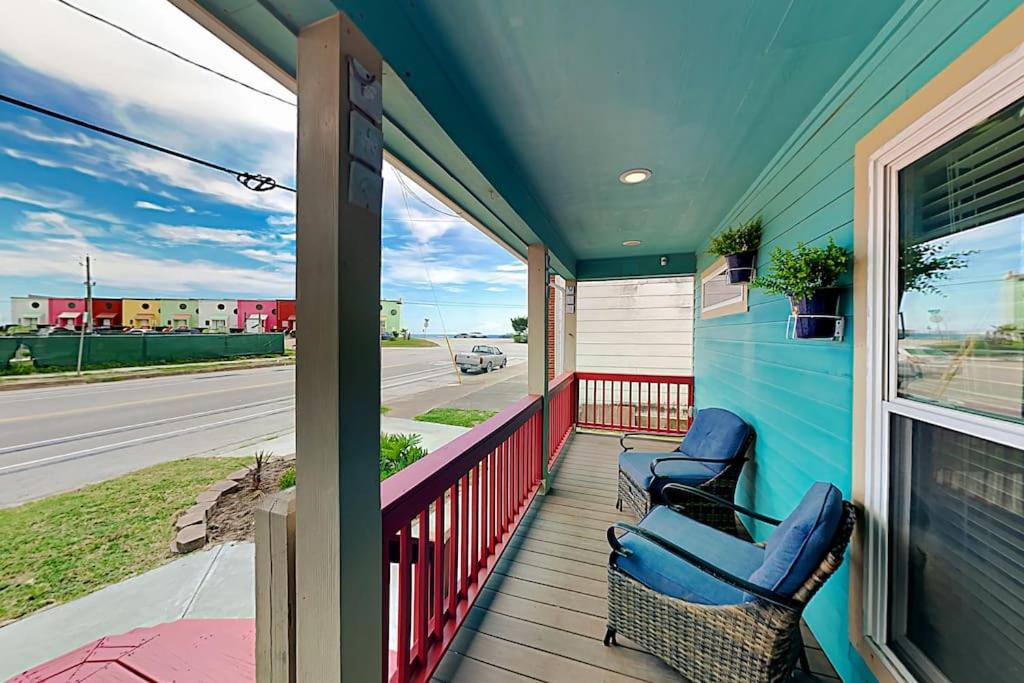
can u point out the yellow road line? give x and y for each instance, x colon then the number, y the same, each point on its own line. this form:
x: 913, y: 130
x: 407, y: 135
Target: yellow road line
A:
x: 111, y: 406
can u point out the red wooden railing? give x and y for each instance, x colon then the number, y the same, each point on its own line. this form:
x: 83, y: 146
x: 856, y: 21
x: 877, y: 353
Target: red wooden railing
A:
x: 634, y: 403
x: 561, y: 417
x: 446, y: 519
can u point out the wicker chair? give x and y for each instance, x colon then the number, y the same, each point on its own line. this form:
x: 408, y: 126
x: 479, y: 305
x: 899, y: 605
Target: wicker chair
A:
x: 710, y: 458
x: 715, y: 607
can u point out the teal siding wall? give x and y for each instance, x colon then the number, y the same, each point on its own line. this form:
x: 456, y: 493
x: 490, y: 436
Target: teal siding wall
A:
x: 798, y: 394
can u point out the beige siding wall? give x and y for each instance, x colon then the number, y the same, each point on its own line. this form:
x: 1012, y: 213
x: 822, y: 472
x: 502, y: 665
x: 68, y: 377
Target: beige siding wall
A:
x: 640, y: 326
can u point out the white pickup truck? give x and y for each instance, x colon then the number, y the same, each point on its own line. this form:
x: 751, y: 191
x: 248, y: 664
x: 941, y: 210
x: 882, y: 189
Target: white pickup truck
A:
x: 482, y: 358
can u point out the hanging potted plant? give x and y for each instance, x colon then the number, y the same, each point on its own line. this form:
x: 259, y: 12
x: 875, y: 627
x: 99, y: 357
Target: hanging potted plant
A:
x: 808, y: 276
x: 739, y: 247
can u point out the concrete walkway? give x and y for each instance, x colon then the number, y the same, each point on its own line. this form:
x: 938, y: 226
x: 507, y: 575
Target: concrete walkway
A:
x: 213, y: 583
x: 433, y: 437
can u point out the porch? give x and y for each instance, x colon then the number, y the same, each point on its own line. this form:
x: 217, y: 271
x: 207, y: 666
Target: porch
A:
x: 541, y: 615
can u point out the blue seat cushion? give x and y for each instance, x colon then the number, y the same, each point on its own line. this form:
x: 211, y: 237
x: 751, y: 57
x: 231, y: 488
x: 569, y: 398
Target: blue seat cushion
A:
x: 715, y: 433
x: 798, y: 545
x: 662, y: 571
x: 637, y: 466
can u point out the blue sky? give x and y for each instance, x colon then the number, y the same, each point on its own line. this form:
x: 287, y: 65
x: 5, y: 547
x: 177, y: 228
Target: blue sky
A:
x: 155, y: 225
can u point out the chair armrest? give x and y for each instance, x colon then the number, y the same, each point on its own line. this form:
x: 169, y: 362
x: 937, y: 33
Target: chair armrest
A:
x: 720, y: 501
x: 701, y: 564
x: 622, y: 440
x: 686, y: 458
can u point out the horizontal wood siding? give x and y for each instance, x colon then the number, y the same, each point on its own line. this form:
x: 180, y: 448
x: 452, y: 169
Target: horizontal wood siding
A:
x: 798, y: 394
x: 640, y: 326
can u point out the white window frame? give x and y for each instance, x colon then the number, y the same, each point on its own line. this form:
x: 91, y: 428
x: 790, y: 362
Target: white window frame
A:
x: 737, y: 304
x: 995, y: 89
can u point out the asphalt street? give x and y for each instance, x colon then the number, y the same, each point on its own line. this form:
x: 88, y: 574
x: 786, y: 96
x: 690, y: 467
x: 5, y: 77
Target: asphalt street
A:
x: 59, y: 438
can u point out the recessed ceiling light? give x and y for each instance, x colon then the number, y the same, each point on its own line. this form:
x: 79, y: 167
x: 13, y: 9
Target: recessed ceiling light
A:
x: 631, y: 243
x: 634, y: 176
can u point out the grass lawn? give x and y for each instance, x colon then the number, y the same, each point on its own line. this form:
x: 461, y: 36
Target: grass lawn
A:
x: 413, y: 343
x: 62, y: 547
x: 460, y: 417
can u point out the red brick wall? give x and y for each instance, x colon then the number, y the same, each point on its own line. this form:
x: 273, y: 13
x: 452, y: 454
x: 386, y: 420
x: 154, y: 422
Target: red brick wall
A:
x: 551, y: 330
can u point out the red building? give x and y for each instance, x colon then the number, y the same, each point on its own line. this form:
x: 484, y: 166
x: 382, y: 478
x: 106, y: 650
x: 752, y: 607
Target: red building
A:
x: 257, y: 315
x: 107, y: 313
x: 285, y: 315
x: 66, y: 312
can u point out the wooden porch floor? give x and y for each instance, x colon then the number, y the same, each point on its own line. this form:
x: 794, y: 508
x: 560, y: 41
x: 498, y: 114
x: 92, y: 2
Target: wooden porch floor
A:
x: 541, y: 615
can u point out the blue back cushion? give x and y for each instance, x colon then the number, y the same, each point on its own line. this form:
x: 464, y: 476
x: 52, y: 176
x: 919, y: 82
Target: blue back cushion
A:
x: 799, y: 544
x: 715, y: 433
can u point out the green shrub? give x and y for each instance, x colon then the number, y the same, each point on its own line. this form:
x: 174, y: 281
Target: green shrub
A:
x: 287, y: 479
x: 398, y: 451
x: 805, y: 270
x: 744, y: 237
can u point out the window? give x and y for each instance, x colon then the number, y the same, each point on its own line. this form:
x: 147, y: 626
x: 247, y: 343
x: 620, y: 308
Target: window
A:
x: 35, y: 304
x: 145, y: 307
x: 394, y: 311
x: 72, y: 304
x: 717, y: 295
x: 946, y: 391
x: 259, y: 307
x: 109, y: 306
x: 182, y: 307
x: 220, y: 307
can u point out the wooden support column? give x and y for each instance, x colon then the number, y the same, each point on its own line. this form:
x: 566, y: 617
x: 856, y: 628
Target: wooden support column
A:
x: 537, y: 316
x: 569, y: 333
x: 337, y: 411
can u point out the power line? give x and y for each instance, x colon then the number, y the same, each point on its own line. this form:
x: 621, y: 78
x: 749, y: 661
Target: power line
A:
x: 172, y: 53
x: 251, y: 181
x: 407, y: 191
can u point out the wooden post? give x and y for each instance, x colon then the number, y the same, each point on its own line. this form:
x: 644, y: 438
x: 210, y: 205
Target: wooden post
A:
x: 337, y: 412
x: 569, y: 333
x: 537, y: 353
x: 275, y: 588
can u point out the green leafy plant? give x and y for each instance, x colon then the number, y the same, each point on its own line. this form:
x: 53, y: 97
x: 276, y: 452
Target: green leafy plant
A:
x: 922, y: 266
x: 805, y: 270
x: 260, y: 460
x: 743, y: 237
x: 519, y: 324
x: 287, y: 479
x: 398, y: 451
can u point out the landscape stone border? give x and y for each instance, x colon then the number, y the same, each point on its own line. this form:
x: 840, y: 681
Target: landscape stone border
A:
x: 191, y: 524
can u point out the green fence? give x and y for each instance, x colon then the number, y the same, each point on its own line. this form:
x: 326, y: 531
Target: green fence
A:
x: 130, y: 349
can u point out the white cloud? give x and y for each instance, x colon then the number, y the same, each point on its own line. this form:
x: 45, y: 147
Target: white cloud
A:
x: 56, y: 223
x: 52, y: 198
x: 280, y: 220
x: 287, y: 236
x: 267, y: 256
x: 150, y: 206
x: 496, y: 289
x: 187, y: 209
x: 57, y: 260
x: 197, y: 234
x: 512, y: 267
x: 413, y: 265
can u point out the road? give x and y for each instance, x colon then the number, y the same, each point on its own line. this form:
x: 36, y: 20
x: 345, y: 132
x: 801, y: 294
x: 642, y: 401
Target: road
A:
x: 58, y: 438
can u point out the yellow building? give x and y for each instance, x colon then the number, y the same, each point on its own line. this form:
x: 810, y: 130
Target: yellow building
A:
x: 144, y: 313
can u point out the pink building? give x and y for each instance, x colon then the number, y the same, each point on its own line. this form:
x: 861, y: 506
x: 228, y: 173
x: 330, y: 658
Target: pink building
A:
x: 66, y: 312
x: 257, y: 315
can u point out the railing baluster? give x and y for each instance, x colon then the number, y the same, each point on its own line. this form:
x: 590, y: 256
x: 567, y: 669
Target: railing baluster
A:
x: 474, y: 556
x: 420, y: 614
x: 439, y: 567
x: 463, y: 538
x: 404, y: 604
x: 453, y: 547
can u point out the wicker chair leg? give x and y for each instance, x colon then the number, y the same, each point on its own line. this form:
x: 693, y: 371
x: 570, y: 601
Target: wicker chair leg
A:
x: 609, y: 637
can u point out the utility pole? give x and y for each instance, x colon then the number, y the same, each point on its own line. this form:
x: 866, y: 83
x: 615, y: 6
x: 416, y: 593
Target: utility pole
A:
x: 87, y: 314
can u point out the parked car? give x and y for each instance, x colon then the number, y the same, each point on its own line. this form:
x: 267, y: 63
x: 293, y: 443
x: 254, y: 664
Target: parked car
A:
x: 481, y: 359
x: 462, y: 335
x: 477, y: 335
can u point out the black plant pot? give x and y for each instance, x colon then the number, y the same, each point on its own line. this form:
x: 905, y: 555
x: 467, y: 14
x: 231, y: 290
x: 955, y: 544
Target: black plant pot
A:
x: 824, y: 302
x: 741, y: 266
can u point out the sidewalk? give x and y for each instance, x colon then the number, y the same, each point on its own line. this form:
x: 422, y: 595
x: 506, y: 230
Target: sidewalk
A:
x: 434, y: 436
x: 214, y: 583
x: 49, y: 379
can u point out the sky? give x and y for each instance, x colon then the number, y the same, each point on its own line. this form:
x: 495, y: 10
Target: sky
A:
x: 158, y: 226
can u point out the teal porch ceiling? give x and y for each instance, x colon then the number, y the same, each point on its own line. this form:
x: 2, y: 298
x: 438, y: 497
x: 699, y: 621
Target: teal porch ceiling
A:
x: 527, y: 111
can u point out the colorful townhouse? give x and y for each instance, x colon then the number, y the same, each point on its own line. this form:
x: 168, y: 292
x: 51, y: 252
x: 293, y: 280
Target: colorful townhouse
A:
x: 140, y: 313
x: 257, y: 315
x: 217, y: 315
x: 30, y: 311
x: 178, y: 313
x: 106, y: 312
x: 285, y: 315
x: 67, y: 313
x: 390, y: 316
